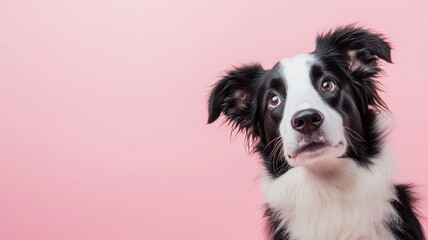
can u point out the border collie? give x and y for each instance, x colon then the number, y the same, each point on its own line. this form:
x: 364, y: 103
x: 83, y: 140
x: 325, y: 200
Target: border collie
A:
x: 318, y: 122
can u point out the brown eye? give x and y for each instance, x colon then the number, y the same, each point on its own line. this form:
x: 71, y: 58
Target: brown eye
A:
x: 328, y: 85
x: 274, y: 101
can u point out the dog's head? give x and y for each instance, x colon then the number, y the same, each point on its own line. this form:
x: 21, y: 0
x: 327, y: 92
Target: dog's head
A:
x: 313, y: 107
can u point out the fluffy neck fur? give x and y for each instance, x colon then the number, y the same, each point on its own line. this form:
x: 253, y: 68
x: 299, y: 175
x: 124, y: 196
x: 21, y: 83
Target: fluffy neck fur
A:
x: 316, y: 207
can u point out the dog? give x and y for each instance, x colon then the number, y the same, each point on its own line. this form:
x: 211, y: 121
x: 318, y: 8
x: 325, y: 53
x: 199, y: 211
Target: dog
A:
x: 319, y: 124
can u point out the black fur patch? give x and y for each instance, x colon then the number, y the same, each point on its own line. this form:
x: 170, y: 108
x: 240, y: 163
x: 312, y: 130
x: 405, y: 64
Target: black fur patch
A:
x: 409, y: 228
x: 358, y: 100
x: 273, y: 227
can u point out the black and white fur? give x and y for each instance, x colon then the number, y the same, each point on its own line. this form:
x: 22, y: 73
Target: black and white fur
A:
x: 317, y: 121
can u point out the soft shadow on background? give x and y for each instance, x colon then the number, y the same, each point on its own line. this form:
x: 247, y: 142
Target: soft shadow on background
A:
x: 103, y: 111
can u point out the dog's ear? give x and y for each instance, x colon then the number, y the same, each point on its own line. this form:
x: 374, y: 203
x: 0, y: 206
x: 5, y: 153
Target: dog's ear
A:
x: 360, y: 50
x: 235, y: 96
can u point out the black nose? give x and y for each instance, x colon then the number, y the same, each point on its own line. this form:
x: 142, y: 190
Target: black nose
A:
x: 307, y: 121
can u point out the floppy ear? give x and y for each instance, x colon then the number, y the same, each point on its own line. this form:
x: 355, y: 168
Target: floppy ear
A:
x: 360, y: 50
x: 234, y: 96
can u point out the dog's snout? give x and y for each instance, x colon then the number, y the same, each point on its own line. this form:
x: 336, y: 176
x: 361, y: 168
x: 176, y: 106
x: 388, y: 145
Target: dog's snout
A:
x: 307, y: 121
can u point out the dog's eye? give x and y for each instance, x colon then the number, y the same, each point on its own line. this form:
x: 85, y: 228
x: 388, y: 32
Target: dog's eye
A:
x: 274, y: 101
x: 328, y: 85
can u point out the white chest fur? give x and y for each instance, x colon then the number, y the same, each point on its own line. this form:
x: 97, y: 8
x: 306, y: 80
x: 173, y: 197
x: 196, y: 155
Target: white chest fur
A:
x: 352, y: 204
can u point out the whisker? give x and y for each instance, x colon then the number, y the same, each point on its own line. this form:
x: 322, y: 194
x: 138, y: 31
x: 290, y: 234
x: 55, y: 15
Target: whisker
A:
x: 351, y: 132
x: 349, y: 141
x: 272, y: 155
x: 273, y: 140
x: 281, y: 152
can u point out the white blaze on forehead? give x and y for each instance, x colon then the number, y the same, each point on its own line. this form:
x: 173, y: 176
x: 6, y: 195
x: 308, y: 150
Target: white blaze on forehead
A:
x: 300, y: 91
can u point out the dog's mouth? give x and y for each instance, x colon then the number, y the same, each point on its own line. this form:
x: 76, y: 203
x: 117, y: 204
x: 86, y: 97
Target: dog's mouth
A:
x: 310, y: 148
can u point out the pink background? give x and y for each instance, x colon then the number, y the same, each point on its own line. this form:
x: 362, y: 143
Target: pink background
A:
x: 103, y: 111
